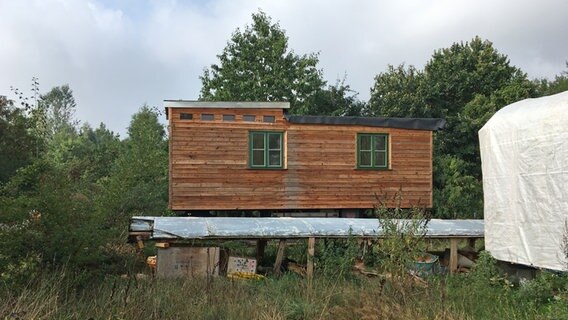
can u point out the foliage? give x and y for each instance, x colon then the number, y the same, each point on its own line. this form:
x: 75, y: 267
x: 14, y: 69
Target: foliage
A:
x: 459, y: 195
x: 336, y: 100
x: 402, y: 241
x: 57, y: 295
x: 547, y: 87
x: 335, y: 258
x: 48, y: 222
x: 464, y: 84
x: 138, y: 183
x: 17, y: 145
x: 54, y: 202
x: 58, y: 106
x: 256, y: 65
x: 397, y: 92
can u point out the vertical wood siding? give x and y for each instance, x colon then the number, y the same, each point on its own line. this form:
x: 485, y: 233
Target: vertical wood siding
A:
x: 209, y: 167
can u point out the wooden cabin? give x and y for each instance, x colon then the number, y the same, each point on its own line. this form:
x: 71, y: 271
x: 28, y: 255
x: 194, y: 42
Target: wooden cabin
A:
x: 227, y: 156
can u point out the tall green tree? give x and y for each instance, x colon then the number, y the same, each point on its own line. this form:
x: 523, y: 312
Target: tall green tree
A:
x: 138, y: 182
x: 464, y: 84
x: 257, y: 65
x: 455, y: 75
x: 17, y: 145
x: 59, y: 107
x: 398, y: 92
x: 335, y: 100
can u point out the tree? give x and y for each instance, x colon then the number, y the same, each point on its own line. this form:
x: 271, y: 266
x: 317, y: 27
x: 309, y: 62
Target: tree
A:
x: 336, y: 100
x: 256, y: 65
x: 17, y: 145
x: 58, y: 106
x: 138, y: 182
x: 547, y: 87
x: 87, y: 155
x: 398, y: 92
x: 464, y: 84
x: 456, y: 74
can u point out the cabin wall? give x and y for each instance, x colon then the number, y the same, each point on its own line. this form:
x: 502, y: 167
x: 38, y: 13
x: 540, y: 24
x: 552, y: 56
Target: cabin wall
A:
x: 209, y: 165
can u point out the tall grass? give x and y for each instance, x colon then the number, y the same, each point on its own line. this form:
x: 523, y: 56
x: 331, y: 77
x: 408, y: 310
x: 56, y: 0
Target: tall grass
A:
x: 58, y: 296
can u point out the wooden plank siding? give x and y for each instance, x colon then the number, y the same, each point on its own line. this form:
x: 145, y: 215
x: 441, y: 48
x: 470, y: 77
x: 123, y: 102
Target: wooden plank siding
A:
x: 209, y: 167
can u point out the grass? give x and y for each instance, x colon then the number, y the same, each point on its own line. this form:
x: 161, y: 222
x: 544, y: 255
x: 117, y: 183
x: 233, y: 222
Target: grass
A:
x: 61, y: 296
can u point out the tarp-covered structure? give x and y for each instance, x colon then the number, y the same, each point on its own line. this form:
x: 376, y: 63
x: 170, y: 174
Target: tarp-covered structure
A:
x: 524, y: 156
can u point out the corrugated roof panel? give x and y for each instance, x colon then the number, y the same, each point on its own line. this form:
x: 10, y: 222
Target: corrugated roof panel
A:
x: 254, y: 228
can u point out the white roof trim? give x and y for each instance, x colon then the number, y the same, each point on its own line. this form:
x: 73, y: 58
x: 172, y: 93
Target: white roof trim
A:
x: 225, y: 104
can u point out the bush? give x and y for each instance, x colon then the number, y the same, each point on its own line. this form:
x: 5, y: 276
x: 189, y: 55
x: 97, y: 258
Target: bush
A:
x: 402, y: 241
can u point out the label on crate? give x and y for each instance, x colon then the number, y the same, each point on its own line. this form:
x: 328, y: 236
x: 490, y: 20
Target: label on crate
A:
x: 241, y: 264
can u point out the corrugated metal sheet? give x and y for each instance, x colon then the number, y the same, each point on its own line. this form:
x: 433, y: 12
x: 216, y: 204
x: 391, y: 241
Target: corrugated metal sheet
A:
x: 255, y: 228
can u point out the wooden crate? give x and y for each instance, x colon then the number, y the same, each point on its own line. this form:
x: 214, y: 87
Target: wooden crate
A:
x: 188, y: 261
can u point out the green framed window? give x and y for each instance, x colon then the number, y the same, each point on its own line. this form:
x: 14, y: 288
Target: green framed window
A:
x: 372, y: 151
x: 265, y: 150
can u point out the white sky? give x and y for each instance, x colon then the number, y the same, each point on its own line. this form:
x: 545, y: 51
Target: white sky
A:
x: 118, y: 55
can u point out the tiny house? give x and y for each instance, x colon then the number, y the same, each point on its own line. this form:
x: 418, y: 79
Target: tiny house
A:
x: 248, y: 156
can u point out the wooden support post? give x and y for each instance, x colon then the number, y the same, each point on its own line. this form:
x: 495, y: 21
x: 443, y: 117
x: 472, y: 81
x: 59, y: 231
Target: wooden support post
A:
x: 311, y: 252
x: 454, y: 255
x: 139, y: 243
x: 260, y: 246
x: 279, y: 256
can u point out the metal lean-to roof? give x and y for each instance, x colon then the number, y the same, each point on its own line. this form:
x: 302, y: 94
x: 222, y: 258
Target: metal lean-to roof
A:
x: 186, y: 228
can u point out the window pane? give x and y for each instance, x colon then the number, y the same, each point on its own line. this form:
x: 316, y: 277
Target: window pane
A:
x: 186, y: 116
x: 228, y: 117
x: 274, y: 158
x: 380, y: 158
x: 258, y: 158
x: 274, y: 141
x: 365, y: 158
x: 249, y: 118
x: 364, y: 142
x: 207, y: 116
x: 381, y: 143
x: 268, y: 119
x: 258, y: 141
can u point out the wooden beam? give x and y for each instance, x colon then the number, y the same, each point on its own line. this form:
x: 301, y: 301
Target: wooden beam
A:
x: 163, y: 245
x: 454, y: 255
x: 279, y: 256
x: 311, y: 253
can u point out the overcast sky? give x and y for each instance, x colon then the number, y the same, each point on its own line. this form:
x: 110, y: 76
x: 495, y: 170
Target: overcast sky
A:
x: 118, y: 55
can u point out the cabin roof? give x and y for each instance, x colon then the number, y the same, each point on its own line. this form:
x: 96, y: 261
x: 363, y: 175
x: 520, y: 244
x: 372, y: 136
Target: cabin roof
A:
x: 433, y: 124
x: 226, y: 104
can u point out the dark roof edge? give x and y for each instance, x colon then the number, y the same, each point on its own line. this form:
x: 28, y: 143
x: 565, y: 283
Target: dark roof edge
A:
x: 432, y: 124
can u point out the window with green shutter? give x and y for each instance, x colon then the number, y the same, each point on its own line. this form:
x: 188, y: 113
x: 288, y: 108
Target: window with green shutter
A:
x: 265, y: 150
x: 372, y: 151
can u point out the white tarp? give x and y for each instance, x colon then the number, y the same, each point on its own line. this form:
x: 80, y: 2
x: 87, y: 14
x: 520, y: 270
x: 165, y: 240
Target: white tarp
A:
x: 524, y: 157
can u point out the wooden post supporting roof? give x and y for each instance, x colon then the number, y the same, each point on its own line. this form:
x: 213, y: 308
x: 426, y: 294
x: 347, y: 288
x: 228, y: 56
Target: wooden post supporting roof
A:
x: 311, y: 253
x: 279, y: 256
x: 260, y: 246
x: 454, y: 255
